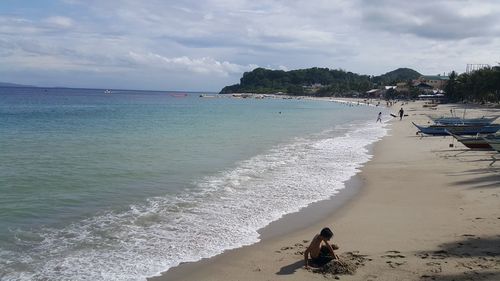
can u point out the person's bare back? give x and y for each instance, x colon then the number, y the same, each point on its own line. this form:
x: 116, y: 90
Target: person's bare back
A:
x: 317, y: 250
x: 315, y: 246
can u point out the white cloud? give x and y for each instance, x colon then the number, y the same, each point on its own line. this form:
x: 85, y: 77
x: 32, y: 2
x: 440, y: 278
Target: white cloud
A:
x: 59, y: 21
x: 436, y: 19
x: 204, y: 65
x: 223, y: 38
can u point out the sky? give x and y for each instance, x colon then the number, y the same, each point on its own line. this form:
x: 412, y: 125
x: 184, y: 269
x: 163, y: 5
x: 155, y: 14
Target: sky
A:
x: 204, y: 45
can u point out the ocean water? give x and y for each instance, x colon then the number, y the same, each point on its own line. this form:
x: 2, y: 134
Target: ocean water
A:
x: 125, y: 185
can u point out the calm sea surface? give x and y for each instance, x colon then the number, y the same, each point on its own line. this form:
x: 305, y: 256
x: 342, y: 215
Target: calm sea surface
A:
x: 122, y: 186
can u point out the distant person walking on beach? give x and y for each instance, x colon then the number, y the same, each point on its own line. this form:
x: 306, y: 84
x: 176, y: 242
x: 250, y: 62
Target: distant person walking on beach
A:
x: 379, y: 118
x: 321, y: 252
x: 401, y: 113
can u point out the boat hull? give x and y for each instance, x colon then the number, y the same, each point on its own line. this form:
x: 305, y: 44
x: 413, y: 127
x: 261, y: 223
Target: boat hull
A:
x: 461, y: 121
x: 476, y: 142
x: 442, y: 130
x: 495, y: 144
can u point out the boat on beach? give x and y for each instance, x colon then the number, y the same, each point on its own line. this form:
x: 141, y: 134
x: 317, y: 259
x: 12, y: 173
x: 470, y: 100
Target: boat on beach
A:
x: 458, y: 120
x: 457, y: 129
x: 477, y: 142
x: 494, y: 143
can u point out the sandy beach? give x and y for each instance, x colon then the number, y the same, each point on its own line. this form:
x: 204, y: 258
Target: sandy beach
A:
x: 422, y: 210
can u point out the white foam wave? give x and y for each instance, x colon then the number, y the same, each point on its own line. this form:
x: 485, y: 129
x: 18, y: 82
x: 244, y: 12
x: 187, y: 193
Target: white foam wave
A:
x: 224, y: 212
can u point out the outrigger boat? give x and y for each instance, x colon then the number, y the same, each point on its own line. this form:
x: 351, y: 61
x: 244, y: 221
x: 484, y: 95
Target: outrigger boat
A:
x: 494, y: 143
x: 465, y: 121
x: 475, y: 143
x: 459, y: 129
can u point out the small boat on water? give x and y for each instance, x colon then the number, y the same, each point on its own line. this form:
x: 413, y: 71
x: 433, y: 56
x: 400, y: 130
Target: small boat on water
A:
x: 458, y: 129
x: 179, y: 95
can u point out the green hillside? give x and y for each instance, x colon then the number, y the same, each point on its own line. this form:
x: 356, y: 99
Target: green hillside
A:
x: 314, y: 81
x: 398, y: 75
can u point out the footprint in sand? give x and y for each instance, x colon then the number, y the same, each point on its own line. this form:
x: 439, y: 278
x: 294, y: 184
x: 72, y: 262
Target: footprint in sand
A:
x: 436, y: 255
x: 440, y: 254
x: 423, y: 255
x: 393, y: 254
x: 395, y: 264
x: 393, y: 251
x: 436, y: 267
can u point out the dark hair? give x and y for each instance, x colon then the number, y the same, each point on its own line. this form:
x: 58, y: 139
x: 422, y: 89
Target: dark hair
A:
x: 326, y: 232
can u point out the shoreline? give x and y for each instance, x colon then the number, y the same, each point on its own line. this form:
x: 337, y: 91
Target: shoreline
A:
x: 314, y: 213
x: 317, y: 212
x: 418, y: 216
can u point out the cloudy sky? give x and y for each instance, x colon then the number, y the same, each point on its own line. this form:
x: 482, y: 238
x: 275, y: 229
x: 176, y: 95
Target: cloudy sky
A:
x: 203, y: 45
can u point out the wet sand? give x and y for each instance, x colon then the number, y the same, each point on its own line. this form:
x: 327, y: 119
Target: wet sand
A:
x: 424, y: 211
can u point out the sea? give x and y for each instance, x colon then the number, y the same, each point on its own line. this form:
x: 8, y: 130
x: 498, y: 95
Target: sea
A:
x: 124, y: 184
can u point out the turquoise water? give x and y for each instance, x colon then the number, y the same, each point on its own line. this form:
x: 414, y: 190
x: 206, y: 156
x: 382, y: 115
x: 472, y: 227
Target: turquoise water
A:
x: 104, y: 186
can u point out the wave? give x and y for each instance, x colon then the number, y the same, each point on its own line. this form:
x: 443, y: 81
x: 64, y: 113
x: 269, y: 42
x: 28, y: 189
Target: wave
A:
x: 223, y: 211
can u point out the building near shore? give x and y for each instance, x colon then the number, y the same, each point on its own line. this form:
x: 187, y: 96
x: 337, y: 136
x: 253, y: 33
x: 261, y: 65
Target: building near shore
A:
x: 435, y: 81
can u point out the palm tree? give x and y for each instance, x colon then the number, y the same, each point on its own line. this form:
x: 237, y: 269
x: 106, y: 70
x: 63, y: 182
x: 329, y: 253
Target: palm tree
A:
x: 451, y: 87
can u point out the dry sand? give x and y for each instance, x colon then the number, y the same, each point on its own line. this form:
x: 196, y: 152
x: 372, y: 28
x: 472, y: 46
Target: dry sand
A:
x: 424, y: 212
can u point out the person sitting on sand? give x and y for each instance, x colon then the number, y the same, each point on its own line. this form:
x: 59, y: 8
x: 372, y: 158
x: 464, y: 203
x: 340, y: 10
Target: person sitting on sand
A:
x: 320, y: 250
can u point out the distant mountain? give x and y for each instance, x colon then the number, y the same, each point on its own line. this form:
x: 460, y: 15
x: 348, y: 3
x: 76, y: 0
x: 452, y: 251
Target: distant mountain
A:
x: 315, y: 81
x: 398, y: 75
x: 4, y: 84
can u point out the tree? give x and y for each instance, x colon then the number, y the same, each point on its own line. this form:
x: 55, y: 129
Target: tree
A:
x: 451, y: 87
x: 479, y: 86
x: 332, y: 81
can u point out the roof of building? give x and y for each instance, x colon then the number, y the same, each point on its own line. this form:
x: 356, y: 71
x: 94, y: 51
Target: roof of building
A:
x: 435, y: 77
x: 424, y: 85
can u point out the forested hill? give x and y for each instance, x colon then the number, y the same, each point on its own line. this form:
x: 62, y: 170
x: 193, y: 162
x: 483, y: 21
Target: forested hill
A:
x: 398, y: 75
x: 314, y: 81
